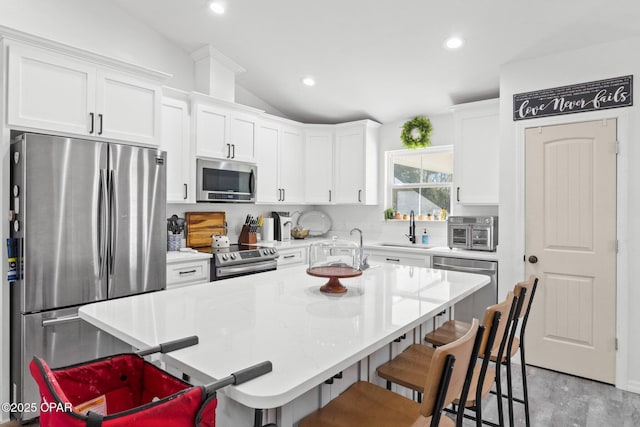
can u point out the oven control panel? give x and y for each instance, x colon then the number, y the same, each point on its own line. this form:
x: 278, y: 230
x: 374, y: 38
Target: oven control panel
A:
x: 245, y: 256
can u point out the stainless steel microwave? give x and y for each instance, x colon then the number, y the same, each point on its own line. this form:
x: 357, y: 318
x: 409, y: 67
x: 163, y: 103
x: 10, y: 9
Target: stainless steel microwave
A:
x: 225, y: 181
x: 478, y: 233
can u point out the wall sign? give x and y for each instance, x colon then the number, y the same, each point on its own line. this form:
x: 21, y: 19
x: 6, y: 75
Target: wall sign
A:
x: 591, y: 96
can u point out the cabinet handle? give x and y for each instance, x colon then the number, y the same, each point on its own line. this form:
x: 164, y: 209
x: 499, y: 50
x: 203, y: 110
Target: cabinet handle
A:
x: 91, y: 117
x: 329, y: 195
x: 393, y: 259
x: 228, y: 151
x: 279, y: 194
x: 187, y: 272
x: 288, y: 256
x: 100, y: 119
x: 284, y: 194
x: 233, y: 155
x: 458, y: 194
x: 359, y: 196
x: 185, y: 191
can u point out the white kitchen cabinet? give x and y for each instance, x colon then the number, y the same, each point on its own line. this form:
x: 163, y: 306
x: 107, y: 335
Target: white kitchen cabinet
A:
x: 187, y: 269
x: 280, y: 160
x: 176, y: 141
x: 476, y: 152
x: 224, y: 130
x: 319, y: 164
x: 356, y: 163
x: 291, y: 257
x: 53, y: 91
x: 397, y: 257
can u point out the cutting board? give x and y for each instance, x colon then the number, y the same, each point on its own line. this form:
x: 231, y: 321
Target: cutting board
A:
x: 202, y: 225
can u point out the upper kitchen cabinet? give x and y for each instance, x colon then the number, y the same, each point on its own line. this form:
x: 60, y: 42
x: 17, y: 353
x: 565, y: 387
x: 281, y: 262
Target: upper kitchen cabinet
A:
x: 476, y: 152
x: 60, y: 89
x: 224, y: 130
x: 319, y: 164
x: 176, y: 141
x: 280, y: 160
x: 356, y: 163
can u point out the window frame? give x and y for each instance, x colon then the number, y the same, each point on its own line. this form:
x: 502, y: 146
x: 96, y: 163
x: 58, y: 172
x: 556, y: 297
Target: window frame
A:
x: 389, y: 177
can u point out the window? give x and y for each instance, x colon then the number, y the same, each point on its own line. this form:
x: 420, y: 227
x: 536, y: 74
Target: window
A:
x: 420, y: 180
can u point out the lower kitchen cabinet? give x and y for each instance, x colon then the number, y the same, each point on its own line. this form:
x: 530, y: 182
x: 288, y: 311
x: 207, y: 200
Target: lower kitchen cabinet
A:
x: 187, y: 269
x: 394, y: 257
x: 291, y: 257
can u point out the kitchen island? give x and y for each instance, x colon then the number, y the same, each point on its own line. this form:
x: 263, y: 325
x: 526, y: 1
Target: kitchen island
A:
x: 282, y: 316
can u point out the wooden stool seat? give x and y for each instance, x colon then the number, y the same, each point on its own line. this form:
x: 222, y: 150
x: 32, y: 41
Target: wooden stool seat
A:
x: 366, y: 404
x: 409, y: 368
x: 449, y: 332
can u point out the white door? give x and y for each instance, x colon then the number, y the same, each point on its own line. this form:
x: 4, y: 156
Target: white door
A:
x: 175, y: 141
x: 570, y: 247
x: 268, y: 190
x: 212, y: 135
x: 319, y: 166
x: 128, y: 109
x: 50, y: 91
x: 350, y: 164
x: 291, y: 165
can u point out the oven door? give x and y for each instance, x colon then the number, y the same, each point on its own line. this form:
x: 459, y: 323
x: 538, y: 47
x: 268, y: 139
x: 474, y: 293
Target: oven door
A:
x: 227, y: 272
x: 459, y: 236
x: 482, y: 238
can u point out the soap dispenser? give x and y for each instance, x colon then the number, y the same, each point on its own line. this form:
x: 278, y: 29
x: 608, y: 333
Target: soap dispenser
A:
x: 425, y: 237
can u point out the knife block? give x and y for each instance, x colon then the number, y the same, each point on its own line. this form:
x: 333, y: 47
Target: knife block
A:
x: 246, y: 236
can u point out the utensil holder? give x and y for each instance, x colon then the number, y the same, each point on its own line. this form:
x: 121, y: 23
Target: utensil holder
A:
x: 247, y: 237
x: 173, y: 242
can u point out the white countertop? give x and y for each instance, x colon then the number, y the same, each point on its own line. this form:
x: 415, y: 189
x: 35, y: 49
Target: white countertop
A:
x: 431, y: 250
x: 179, y: 256
x: 282, y: 316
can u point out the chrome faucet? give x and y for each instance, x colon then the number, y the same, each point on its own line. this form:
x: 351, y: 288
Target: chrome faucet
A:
x: 412, y: 228
x: 363, y: 259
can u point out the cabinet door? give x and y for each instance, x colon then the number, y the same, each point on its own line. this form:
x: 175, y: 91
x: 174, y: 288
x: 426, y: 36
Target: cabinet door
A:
x: 211, y: 132
x: 291, y: 152
x: 128, y: 108
x: 319, y: 167
x: 349, y: 163
x: 268, y: 190
x: 476, y: 154
x: 176, y: 142
x: 49, y: 91
x: 243, y: 137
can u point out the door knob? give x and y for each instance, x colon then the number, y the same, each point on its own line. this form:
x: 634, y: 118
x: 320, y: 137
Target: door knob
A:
x: 533, y: 259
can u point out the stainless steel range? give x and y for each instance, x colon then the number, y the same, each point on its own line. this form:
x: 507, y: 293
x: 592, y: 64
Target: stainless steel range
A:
x: 241, y: 260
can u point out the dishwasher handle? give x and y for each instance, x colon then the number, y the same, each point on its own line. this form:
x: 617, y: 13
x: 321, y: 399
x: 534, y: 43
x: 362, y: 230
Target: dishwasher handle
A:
x: 464, y: 269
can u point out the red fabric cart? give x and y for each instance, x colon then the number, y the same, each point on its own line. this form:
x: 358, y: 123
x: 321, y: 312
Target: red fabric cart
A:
x: 126, y: 390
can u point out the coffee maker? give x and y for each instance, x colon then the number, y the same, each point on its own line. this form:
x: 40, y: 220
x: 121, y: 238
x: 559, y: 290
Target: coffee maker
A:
x: 282, y: 224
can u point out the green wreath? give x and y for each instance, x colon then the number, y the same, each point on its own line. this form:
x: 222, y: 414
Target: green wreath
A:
x: 416, y: 132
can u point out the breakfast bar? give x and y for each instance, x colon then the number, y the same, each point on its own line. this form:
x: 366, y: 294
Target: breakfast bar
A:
x: 282, y: 316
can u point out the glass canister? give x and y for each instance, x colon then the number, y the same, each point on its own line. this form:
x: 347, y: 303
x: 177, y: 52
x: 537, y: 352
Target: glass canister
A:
x: 334, y: 259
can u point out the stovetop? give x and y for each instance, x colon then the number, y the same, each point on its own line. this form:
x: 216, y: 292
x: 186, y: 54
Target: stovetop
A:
x: 240, y: 254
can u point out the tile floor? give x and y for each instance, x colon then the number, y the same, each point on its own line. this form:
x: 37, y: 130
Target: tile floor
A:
x: 557, y: 400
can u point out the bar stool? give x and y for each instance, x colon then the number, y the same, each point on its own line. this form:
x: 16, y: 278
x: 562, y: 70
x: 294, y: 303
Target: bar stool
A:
x: 407, y: 369
x: 452, y: 329
x: 366, y: 404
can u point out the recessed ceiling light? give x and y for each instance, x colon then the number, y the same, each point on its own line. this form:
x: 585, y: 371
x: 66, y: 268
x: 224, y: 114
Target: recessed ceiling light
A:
x: 216, y: 7
x: 454, y: 42
x: 308, y: 81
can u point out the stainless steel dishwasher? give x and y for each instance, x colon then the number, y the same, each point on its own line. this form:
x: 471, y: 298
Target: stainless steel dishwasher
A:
x: 475, y: 304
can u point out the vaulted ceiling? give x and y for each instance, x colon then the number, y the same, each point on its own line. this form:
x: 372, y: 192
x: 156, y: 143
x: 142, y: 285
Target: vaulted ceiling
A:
x: 383, y: 60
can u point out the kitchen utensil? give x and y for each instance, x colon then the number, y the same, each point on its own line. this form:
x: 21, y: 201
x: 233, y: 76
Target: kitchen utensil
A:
x: 219, y: 241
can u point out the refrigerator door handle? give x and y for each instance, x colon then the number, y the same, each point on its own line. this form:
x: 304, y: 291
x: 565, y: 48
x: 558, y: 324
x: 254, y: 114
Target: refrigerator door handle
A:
x: 102, y: 223
x: 112, y: 220
x: 60, y: 320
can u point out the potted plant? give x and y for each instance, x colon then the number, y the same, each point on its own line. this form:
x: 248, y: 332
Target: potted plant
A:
x: 389, y: 213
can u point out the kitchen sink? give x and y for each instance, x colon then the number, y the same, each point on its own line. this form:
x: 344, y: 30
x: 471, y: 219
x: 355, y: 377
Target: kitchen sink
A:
x: 405, y: 245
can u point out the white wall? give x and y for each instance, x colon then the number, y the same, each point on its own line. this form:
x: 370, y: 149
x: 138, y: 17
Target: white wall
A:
x: 593, y: 63
x: 101, y: 27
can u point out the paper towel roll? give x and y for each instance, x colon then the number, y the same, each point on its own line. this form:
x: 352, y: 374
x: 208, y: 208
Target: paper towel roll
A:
x: 267, y: 229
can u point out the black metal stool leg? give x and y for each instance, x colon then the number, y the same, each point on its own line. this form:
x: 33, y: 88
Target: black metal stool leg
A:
x: 509, y: 390
x: 499, y: 394
x: 525, y: 395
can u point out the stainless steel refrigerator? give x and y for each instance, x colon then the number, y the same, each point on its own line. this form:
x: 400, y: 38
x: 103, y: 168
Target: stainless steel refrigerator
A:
x: 90, y: 221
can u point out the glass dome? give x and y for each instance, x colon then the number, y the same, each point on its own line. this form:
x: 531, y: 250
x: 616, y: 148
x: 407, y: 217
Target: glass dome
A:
x: 334, y: 259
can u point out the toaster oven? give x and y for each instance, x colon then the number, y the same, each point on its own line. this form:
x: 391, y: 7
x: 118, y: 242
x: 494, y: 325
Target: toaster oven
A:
x: 477, y: 233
